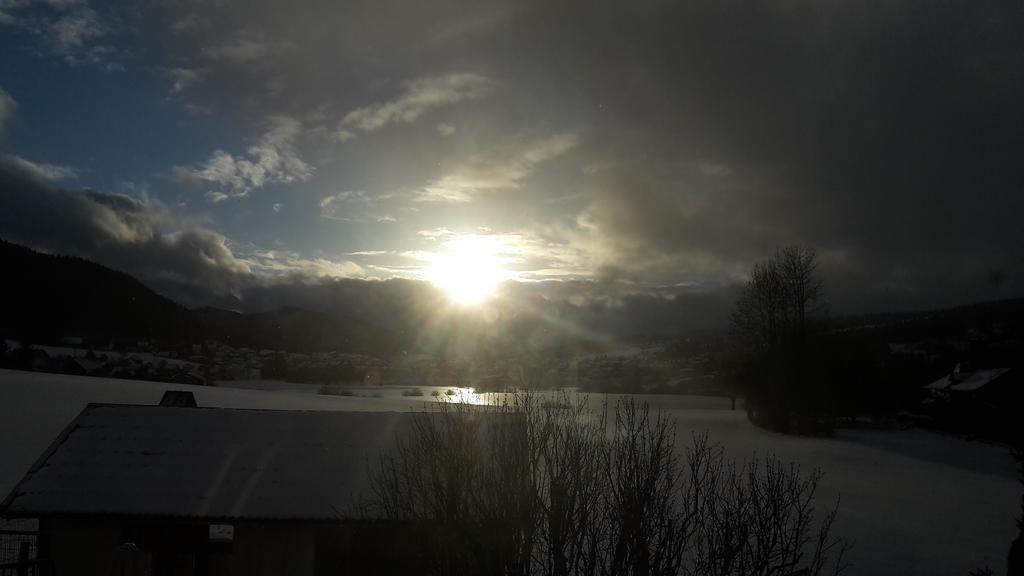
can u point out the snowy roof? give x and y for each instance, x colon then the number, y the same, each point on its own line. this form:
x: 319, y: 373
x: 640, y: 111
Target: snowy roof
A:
x: 211, y: 463
x: 970, y: 383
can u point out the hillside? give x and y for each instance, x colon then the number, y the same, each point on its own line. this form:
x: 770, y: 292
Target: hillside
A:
x: 45, y: 297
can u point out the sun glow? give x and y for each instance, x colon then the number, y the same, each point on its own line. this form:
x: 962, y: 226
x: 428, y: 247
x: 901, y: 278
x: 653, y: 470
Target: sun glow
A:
x: 469, y: 270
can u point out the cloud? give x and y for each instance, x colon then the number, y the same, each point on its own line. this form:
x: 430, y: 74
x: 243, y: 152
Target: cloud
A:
x: 244, y: 49
x: 8, y: 106
x: 857, y: 128
x: 189, y: 22
x: 38, y: 170
x: 498, y: 170
x: 358, y: 206
x: 279, y: 264
x: 420, y: 96
x: 27, y: 168
x: 115, y: 229
x: 72, y: 30
x: 530, y: 254
x: 445, y: 129
x: 339, y: 206
x: 192, y: 265
x: 274, y: 159
x: 182, y: 78
x: 197, y: 266
x: 216, y: 197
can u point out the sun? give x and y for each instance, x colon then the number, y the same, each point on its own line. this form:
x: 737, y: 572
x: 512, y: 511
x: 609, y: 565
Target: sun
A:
x: 469, y: 270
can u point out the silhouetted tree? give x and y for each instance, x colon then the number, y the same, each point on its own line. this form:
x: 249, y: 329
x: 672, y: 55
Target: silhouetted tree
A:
x: 770, y: 327
x: 1015, y: 562
x: 779, y: 299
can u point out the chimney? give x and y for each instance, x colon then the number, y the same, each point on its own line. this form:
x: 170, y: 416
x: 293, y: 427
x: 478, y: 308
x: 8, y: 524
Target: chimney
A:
x: 179, y: 398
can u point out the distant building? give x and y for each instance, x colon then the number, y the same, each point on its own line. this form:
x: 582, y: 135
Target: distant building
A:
x: 186, y: 490
x: 961, y: 383
x: 987, y: 400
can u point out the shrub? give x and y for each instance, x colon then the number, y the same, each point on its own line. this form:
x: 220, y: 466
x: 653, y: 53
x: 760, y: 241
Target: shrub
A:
x: 578, y: 491
x: 412, y: 392
x: 335, y: 391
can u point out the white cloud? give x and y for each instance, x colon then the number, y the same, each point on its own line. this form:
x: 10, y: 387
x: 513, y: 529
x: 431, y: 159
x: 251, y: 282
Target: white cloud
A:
x: 358, y: 206
x: 41, y: 171
x: 274, y: 159
x: 419, y: 97
x: 283, y: 263
x: 244, y: 49
x: 445, y: 129
x: 216, y: 197
x: 182, y: 78
x: 495, y: 171
x: 73, y: 31
x: 70, y: 29
x: 434, y: 233
x: 333, y: 206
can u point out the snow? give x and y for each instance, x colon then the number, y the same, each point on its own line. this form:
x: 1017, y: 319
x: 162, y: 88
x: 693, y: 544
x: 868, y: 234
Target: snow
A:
x: 213, y: 463
x: 913, y: 502
x: 974, y: 381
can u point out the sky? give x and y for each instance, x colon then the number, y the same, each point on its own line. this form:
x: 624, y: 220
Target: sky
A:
x: 627, y: 155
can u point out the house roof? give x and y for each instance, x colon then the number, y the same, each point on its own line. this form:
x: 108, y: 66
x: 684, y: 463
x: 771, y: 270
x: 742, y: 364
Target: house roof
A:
x: 210, y: 463
x: 973, y: 381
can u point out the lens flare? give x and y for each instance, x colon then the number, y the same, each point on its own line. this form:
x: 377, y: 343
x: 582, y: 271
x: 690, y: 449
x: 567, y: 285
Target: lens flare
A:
x: 469, y: 270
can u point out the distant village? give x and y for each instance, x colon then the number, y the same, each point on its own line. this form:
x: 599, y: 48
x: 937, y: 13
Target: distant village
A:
x: 198, y: 364
x: 651, y: 369
x: 963, y: 383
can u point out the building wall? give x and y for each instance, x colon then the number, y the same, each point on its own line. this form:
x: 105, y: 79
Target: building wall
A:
x: 83, y: 547
x: 269, y: 549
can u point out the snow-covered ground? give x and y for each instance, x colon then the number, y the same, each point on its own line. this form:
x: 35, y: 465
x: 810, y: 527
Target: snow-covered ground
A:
x: 913, y: 502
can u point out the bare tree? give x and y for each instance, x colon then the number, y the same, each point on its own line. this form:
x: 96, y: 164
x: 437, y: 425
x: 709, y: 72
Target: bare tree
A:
x: 560, y: 489
x: 782, y: 293
x: 770, y: 334
x: 803, y: 288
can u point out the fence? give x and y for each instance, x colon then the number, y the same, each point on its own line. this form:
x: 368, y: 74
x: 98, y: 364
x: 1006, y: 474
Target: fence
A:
x: 19, y: 554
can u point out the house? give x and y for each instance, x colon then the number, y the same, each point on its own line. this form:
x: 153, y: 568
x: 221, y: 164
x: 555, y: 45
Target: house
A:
x: 178, y: 489
x: 986, y: 400
x: 961, y: 383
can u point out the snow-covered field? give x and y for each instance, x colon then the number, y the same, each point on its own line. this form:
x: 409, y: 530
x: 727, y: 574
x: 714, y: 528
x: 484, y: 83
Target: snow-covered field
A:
x: 913, y: 502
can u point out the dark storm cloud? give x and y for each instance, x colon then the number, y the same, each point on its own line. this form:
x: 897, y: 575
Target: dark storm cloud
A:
x: 886, y: 134
x: 116, y: 230
x: 647, y: 153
